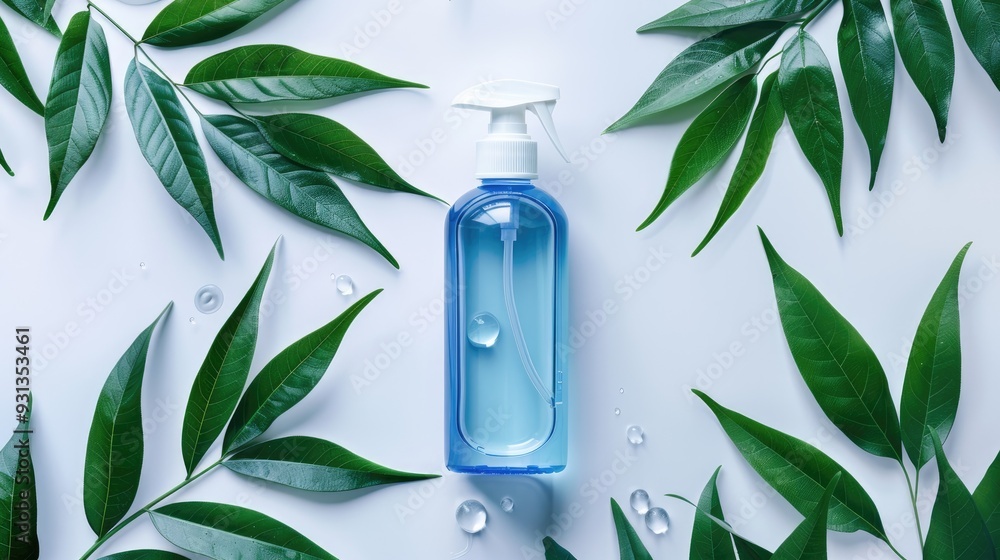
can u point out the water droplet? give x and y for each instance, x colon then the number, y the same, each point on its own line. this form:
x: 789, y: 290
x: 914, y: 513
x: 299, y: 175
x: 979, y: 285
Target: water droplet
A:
x: 191, y: 320
x: 208, y: 299
x: 471, y: 516
x: 142, y: 265
x: 657, y: 520
x: 618, y: 412
x: 507, y: 504
x: 621, y: 390
x: 639, y: 501
x: 634, y: 434
x: 483, y: 330
x: 345, y: 285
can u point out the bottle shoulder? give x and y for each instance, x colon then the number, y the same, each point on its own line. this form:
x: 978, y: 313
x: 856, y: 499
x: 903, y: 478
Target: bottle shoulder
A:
x: 484, y: 195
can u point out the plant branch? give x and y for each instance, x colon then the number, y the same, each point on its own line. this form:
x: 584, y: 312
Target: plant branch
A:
x: 113, y: 22
x: 145, y: 509
x: 808, y: 19
x: 914, y: 489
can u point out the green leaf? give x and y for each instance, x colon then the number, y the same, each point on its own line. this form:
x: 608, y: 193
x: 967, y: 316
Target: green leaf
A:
x: 13, y: 77
x: 702, y: 67
x: 326, y: 145
x: 987, y: 498
x: 764, y: 125
x: 746, y: 549
x: 728, y: 13
x: 228, y: 532
x: 629, y: 544
x: 38, y: 12
x: 18, y: 537
x: 838, y: 366
x: 145, y: 555
x: 808, y: 540
x: 189, y: 22
x: 169, y: 144
x: 223, y: 374
x: 79, y: 101
x: 957, y: 530
x: 555, y: 552
x: 799, y: 472
x: 809, y: 95
x: 313, y: 464
x: 711, y: 136
x: 710, y: 541
x: 310, y: 195
x: 868, y: 60
x: 262, y: 73
x: 979, y: 21
x: 934, y: 371
x: 288, y: 378
x: 927, y: 51
x: 114, y: 448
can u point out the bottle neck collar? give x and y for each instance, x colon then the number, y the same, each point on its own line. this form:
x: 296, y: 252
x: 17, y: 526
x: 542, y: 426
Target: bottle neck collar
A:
x: 507, y: 184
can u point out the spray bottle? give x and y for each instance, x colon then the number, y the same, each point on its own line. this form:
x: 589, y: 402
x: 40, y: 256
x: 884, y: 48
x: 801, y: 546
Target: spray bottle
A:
x: 506, y: 286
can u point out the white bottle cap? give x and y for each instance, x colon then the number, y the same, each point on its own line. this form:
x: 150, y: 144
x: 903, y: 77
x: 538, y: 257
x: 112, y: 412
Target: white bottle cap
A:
x: 508, y: 152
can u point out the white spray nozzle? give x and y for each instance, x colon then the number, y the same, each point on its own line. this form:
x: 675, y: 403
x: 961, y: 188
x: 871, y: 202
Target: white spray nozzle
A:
x: 508, y: 151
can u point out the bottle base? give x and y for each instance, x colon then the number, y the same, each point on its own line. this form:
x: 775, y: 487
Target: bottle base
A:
x: 485, y: 469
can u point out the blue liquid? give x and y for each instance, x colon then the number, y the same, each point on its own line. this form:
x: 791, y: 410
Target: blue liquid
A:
x: 499, y: 419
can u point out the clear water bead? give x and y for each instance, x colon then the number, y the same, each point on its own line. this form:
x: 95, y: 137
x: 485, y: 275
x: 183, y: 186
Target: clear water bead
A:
x: 471, y: 516
x: 657, y: 520
x: 142, y: 265
x: 208, y: 299
x: 507, y: 504
x: 634, y: 434
x: 483, y: 330
x: 618, y: 412
x: 621, y: 390
x: 639, y: 501
x: 344, y: 284
x: 191, y: 320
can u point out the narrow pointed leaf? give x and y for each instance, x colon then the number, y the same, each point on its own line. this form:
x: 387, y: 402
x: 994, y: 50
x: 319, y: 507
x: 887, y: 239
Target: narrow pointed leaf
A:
x: 288, y: 378
x: 746, y: 549
x: 630, y: 545
x: 38, y: 12
x: 189, y: 22
x: 6, y: 166
x: 868, y: 60
x: 808, y: 540
x: 326, y: 145
x: 987, y: 498
x: 799, y: 472
x: 709, y: 541
x: 226, y: 532
x: 702, y: 67
x: 262, y: 73
x: 169, y: 144
x: 838, y: 366
x: 18, y: 536
x: 928, y: 53
x: 957, y: 530
x: 711, y: 136
x: 310, y: 195
x: 809, y: 95
x: 115, y: 446
x: 767, y: 119
x: 223, y: 374
x: 933, y: 379
x: 13, y: 76
x: 728, y: 13
x: 555, y: 552
x: 145, y: 555
x: 979, y: 21
x: 314, y: 464
x: 79, y: 101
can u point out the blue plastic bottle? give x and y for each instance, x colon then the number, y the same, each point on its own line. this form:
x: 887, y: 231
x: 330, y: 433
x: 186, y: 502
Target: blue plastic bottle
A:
x: 506, y: 371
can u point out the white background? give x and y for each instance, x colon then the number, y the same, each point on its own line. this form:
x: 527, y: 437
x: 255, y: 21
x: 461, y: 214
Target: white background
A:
x: 661, y: 339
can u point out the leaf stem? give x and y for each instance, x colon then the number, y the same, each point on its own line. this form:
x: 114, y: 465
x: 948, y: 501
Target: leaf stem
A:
x: 914, y: 490
x: 808, y: 19
x: 769, y: 59
x: 145, y: 509
x: 113, y: 22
